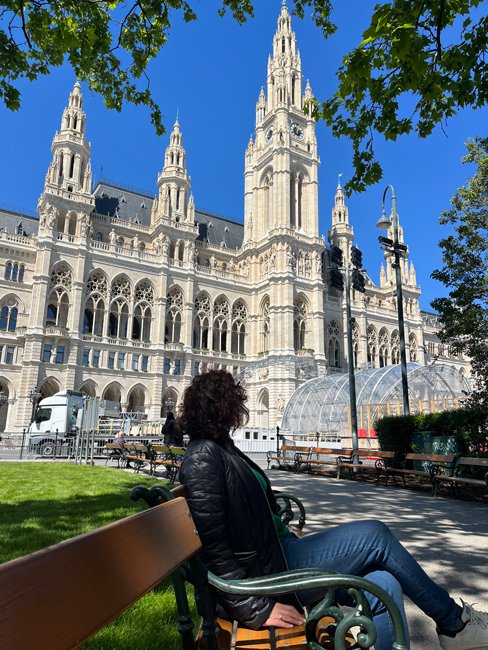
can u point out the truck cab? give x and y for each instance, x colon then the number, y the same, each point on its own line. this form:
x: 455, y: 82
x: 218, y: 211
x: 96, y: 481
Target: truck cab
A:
x: 56, y: 419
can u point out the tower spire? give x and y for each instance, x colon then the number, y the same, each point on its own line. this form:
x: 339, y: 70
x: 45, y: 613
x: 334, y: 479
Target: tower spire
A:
x: 281, y: 166
x: 173, y: 180
x: 70, y: 168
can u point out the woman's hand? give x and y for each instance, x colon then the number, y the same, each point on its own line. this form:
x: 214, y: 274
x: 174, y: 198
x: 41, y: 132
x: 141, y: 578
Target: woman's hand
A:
x: 284, y: 616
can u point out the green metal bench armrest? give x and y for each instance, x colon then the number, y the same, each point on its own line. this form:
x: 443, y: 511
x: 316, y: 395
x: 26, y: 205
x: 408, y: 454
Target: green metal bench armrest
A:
x: 286, y: 510
x: 359, y: 615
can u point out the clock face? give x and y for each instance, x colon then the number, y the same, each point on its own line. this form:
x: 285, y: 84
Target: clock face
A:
x: 269, y: 134
x: 296, y: 131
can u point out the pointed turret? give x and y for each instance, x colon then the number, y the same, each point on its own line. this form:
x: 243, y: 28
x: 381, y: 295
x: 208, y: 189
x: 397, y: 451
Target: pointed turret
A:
x: 412, y: 276
x: 70, y: 168
x: 260, y: 108
x: 284, y: 68
x: 341, y: 234
x: 173, y: 181
x: 68, y: 180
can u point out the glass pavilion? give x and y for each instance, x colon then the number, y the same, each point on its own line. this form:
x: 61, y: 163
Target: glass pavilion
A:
x: 321, y: 405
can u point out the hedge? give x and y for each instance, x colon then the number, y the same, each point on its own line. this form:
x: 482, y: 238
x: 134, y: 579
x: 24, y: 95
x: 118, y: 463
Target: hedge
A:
x: 468, y: 426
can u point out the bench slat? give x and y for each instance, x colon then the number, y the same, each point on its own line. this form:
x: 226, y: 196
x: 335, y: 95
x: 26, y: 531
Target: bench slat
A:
x: 57, y: 589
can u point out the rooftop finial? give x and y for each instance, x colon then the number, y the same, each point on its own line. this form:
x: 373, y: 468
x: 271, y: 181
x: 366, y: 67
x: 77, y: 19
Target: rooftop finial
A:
x: 339, y: 180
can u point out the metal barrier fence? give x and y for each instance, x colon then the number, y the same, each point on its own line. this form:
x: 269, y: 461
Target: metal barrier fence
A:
x: 84, y: 448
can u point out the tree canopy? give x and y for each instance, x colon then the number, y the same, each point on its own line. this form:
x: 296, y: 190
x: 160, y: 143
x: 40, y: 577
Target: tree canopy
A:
x: 420, y: 61
x: 464, y: 313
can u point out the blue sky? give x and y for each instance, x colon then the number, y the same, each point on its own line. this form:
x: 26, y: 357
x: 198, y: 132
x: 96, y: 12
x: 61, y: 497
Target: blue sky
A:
x: 211, y: 72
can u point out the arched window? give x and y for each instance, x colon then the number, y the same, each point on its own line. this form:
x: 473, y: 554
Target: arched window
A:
x: 395, y: 347
x: 21, y: 273
x: 333, y: 348
x: 299, y: 323
x: 220, y: 324
x: 265, y: 324
x: 142, y: 320
x: 296, y: 191
x: 263, y: 409
x: 120, y: 295
x: 59, y: 297
x: 118, y: 319
x: 239, y: 317
x: 8, y: 317
x: 174, y: 310
x: 94, y: 314
x: 15, y: 272
x: 384, y: 344
x: 201, y: 324
x: 8, y: 271
x: 372, y: 346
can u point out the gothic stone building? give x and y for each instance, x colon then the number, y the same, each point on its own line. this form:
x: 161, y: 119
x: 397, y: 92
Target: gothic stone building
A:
x: 126, y: 296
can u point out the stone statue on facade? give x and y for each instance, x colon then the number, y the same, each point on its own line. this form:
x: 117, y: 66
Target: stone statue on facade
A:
x: 280, y: 404
x: 52, y: 216
x: 112, y: 237
x: 84, y: 226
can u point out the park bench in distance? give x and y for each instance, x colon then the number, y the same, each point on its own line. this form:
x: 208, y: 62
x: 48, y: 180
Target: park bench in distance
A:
x: 116, y: 452
x: 288, y: 457
x: 457, y: 478
x: 137, y: 455
x: 67, y: 604
x: 365, y: 460
x: 167, y: 456
x: 443, y: 462
x: 320, y: 458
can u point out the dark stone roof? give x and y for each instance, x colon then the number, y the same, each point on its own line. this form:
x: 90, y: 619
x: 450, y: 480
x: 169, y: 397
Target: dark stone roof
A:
x: 18, y: 222
x: 218, y: 230
x: 122, y: 202
x: 135, y: 205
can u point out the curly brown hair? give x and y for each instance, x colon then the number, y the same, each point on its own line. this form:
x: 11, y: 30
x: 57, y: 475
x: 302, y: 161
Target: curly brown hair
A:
x: 213, y: 404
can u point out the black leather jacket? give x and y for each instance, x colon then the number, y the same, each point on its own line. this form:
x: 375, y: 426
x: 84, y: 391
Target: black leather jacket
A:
x: 233, y: 517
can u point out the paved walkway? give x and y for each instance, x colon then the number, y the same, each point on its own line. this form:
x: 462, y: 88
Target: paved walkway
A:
x: 448, y: 537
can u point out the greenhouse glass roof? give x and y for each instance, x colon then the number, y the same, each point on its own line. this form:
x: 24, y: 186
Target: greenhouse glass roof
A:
x: 322, y: 404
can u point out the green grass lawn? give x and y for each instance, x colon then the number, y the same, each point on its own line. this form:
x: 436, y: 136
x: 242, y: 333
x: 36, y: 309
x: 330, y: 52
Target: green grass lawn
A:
x: 44, y: 503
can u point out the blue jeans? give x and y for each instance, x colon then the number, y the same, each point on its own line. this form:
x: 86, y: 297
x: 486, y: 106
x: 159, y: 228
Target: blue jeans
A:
x: 369, y: 549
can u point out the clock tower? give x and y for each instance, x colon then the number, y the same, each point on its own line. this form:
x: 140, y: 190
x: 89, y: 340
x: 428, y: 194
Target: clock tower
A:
x: 281, y: 161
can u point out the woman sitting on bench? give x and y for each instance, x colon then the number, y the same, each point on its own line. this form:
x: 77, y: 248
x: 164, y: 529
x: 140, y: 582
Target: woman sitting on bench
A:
x: 232, y: 503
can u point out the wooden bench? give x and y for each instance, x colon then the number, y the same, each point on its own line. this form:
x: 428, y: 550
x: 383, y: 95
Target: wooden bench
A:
x: 138, y: 455
x: 365, y: 460
x: 320, y: 458
x: 287, y: 457
x: 49, y: 599
x: 403, y: 467
x: 116, y: 452
x: 458, y: 476
x: 167, y: 457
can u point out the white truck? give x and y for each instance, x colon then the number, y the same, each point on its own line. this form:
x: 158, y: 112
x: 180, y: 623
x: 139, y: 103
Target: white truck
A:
x: 59, y: 418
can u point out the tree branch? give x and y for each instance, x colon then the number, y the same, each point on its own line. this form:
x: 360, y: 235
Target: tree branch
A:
x: 439, y: 29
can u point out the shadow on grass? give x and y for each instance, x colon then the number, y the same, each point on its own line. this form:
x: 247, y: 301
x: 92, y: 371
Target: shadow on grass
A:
x: 43, y: 507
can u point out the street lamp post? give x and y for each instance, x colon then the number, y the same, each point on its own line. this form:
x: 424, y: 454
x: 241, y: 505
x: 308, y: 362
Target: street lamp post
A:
x: 3, y: 400
x: 398, y: 250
